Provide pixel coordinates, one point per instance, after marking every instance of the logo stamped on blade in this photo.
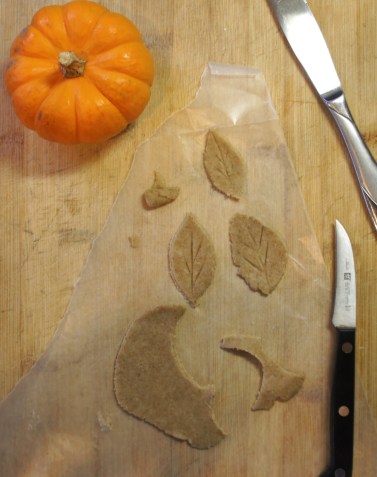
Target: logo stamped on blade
(347, 277)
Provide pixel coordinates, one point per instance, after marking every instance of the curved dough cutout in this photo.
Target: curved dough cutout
(151, 384)
(159, 194)
(277, 383)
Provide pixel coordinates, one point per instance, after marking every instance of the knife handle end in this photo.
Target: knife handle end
(342, 406)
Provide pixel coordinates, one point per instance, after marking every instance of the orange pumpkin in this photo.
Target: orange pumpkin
(79, 73)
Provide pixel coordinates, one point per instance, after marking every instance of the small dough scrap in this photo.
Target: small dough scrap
(151, 384)
(224, 167)
(159, 194)
(258, 252)
(277, 383)
(134, 241)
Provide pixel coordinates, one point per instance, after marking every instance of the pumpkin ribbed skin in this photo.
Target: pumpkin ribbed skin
(95, 98)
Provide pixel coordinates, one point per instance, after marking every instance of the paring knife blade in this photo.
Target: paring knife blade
(344, 320)
(308, 44)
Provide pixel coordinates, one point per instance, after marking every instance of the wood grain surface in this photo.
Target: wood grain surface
(55, 199)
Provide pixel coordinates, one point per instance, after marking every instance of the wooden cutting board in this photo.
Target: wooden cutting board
(132, 271)
(55, 199)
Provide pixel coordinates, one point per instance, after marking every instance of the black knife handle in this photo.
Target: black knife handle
(342, 406)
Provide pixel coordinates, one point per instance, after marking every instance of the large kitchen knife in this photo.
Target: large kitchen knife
(344, 320)
(307, 42)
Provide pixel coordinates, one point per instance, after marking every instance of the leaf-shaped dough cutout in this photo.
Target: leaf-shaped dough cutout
(151, 384)
(159, 194)
(258, 252)
(192, 260)
(278, 383)
(224, 167)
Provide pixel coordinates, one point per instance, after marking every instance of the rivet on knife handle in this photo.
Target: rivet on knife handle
(307, 42)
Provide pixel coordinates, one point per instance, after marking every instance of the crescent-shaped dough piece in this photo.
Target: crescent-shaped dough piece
(277, 383)
(151, 384)
(159, 194)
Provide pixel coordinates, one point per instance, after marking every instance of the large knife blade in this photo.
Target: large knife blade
(308, 44)
(344, 320)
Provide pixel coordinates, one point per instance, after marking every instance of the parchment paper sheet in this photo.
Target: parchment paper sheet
(62, 420)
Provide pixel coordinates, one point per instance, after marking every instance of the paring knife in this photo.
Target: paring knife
(344, 320)
(307, 42)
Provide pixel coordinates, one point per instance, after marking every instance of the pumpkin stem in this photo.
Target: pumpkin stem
(71, 65)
